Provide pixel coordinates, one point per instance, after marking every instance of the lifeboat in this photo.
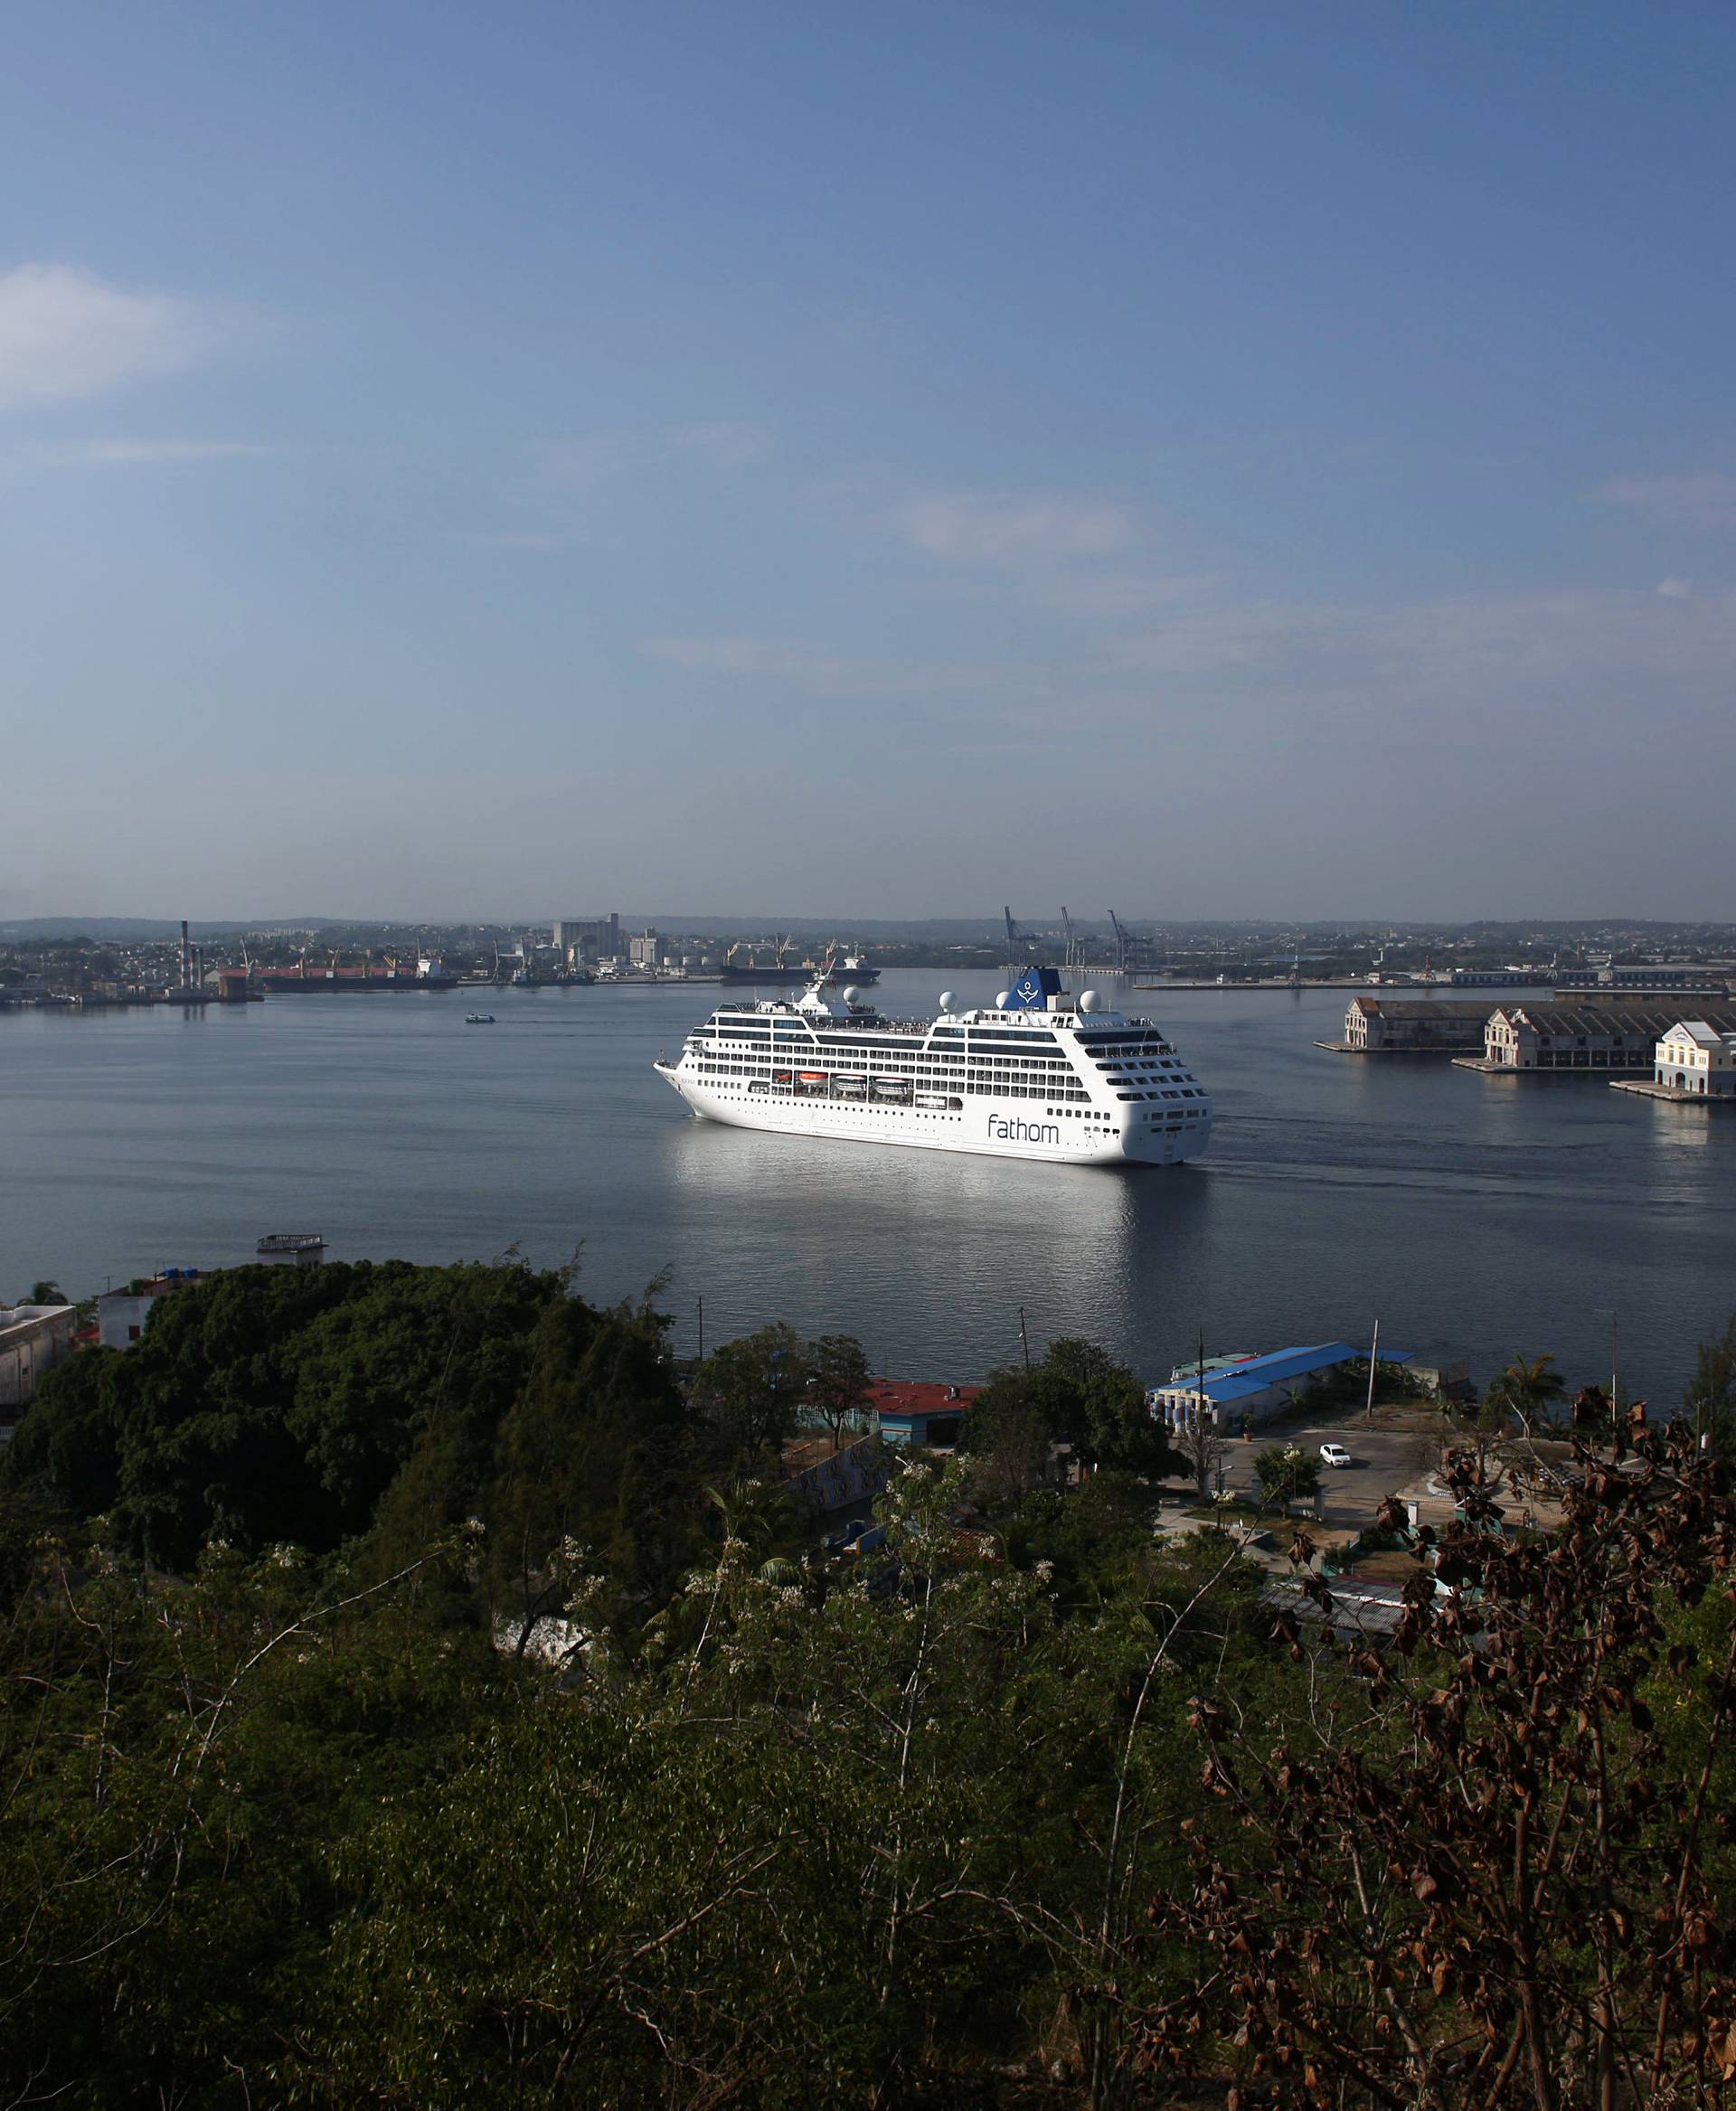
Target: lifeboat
(810, 1077)
(932, 1099)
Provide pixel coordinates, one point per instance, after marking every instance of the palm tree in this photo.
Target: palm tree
(1529, 1390)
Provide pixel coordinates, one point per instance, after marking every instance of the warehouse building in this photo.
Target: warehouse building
(1256, 1388)
(1414, 1026)
(1565, 1035)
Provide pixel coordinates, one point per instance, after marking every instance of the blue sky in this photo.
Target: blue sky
(1231, 461)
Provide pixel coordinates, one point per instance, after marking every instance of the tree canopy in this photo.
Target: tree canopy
(1042, 1815)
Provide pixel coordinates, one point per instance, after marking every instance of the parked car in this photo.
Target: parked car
(1334, 1455)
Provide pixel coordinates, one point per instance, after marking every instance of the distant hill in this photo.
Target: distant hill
(140, 929)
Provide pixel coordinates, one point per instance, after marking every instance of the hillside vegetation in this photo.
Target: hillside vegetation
(1020, 1808)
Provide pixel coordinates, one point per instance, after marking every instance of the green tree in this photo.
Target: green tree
(1078, 1396)
(1099, 1407)
(45, 1292)
(598, 1391)
(838, 1381)
(1286, 1475)
(749, 1391)
(1529, 1389)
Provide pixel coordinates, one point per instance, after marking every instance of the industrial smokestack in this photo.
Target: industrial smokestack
(187, 956)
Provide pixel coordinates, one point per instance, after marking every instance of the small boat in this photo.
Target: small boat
(478, 1018)
(810, 1077)
(932, 1099)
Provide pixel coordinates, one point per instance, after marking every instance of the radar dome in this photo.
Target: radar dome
(948, 999)
(1001, 999)
(1088, 1000)
(850, 996)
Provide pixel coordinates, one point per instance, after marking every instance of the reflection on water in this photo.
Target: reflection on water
(951, 1242)
(1472, 1216)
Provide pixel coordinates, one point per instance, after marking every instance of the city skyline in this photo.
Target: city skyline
(868, 465)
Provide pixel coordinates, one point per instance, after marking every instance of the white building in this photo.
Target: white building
(34, 1338)
(121, 1314)
(1696, 1057)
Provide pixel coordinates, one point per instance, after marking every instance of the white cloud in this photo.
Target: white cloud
(1482, 657)
(1704, 499)
(1675, 589)
(65, 333)
(123, 451)
(720, 446)
(986, 528)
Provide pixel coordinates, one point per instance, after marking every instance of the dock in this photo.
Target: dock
(1648, 1091)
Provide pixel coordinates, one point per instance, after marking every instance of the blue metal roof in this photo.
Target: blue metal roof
(1261, 1371)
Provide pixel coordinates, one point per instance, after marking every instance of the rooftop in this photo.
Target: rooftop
(899, 1397)
(1260, 1371)
(1573, 1017)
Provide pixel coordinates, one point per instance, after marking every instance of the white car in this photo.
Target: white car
(1334, 1455)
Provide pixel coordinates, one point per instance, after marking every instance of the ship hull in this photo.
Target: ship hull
(985, 1127)
(295, 985)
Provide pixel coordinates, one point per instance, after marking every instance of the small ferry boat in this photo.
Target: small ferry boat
(478, 1018)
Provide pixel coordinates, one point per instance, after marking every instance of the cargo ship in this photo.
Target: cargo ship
(852, 968)
(431, 973)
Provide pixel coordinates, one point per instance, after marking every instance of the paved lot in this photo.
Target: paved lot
(1387, 1461)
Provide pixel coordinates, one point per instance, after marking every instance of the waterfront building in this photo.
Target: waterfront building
(909, 1413)
(585, 939)
(1256, 1388)
(34, 1338)
(1696, 1057)
(1649, 978)
(1564, 1035)
(1415, 1026)
(123, 1315)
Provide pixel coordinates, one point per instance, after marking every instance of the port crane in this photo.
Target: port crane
(1073, 955)
(1017, 937)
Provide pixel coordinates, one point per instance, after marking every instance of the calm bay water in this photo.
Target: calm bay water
(1474, 1217)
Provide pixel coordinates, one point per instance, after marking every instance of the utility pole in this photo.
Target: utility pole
(702, 1330)
(1374, 1358)
(1615, 1362)
(1024, 1342)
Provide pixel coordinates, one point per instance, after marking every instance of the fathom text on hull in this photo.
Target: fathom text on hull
(1037, 1075)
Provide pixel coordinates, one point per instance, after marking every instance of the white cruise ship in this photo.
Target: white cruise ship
(1037, 1076)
